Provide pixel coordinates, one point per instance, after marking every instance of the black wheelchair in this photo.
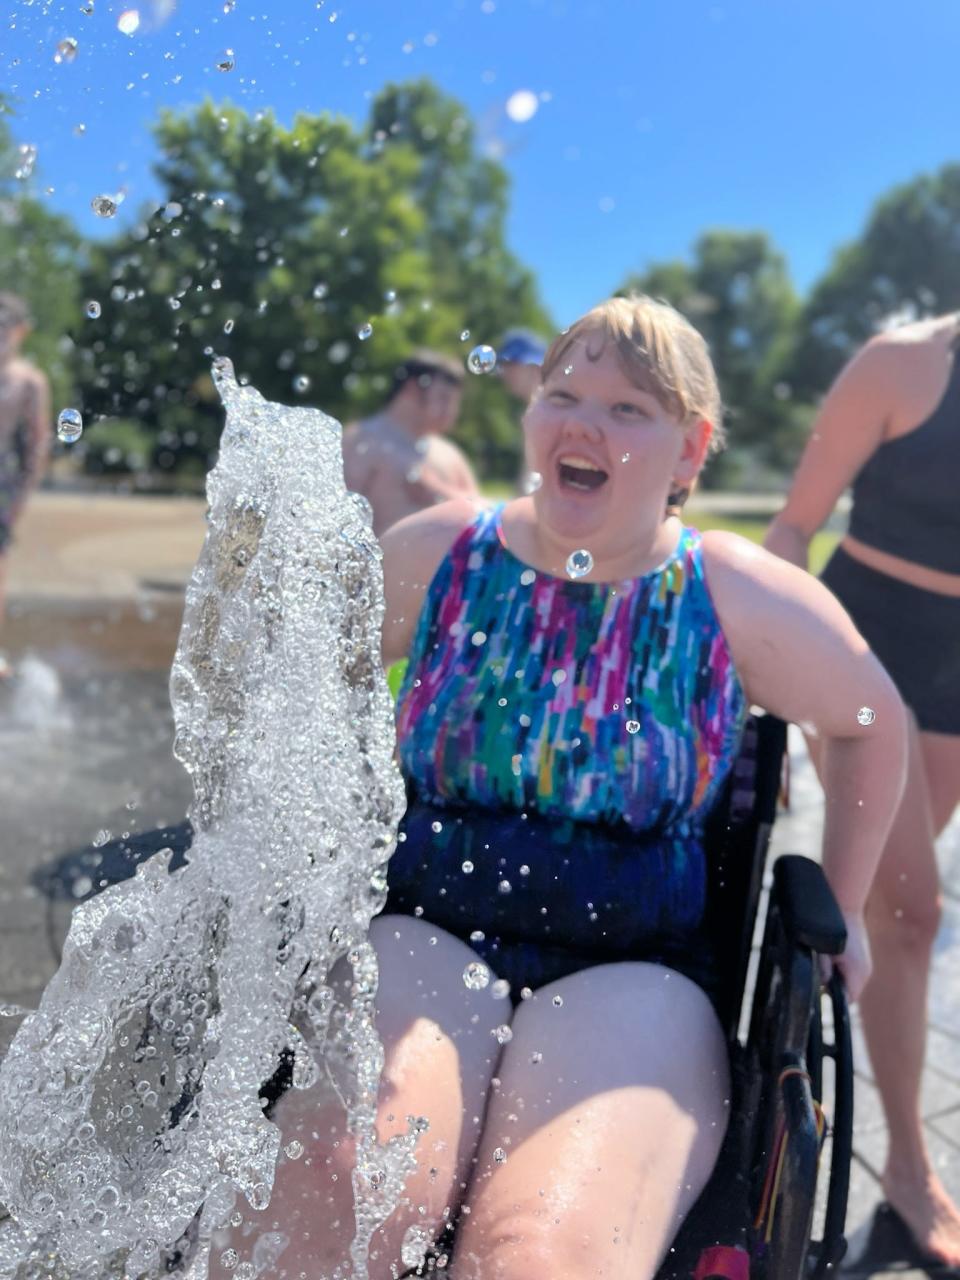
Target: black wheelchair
(755, 1218)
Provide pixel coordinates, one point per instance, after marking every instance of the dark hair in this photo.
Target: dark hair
(13, 312)
(425, 367)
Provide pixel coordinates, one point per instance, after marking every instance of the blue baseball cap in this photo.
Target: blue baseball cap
(521, 346)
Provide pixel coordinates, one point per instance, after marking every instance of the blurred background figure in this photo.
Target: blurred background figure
(398, 458)
(890, 425)
(519, 358)
(25, 431)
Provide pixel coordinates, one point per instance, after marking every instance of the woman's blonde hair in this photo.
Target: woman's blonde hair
(659, 351)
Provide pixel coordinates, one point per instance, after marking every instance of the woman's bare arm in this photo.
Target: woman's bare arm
(850, 426)
(801, 657)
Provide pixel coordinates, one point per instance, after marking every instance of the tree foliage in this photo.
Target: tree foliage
(279, 245)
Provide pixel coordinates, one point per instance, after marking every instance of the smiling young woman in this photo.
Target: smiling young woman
(606, 699)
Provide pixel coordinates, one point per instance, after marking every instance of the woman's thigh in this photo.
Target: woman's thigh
(609, 1113)
(440, 1053)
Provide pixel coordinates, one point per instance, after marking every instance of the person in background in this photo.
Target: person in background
(519, 358)
(891, 426)
(399, 458)
(25, 435)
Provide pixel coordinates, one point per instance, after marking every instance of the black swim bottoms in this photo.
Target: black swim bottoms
(914, 633)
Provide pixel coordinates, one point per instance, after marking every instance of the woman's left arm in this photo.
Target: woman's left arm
(800, 657)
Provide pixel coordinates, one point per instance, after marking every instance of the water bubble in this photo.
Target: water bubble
(66, 50)
(465, 334)
(499, 1155)
(226, 61)
(128, 22)
(228, 326)
(92, 309)
(478, 638)
(436, 827)
(503, 1033)
(528, 577)
(466, 867)
(69, 426)
(293, 1150)
(504, 887)
(534, 481)
(558, 1002)
(365, 331)
(321, 289)
(27, 154)
(866, 715)
(301, 384)
(87, 9)
(476, 975)
(522, 106)
(229, 1259)
(415, 1246)
(579, 563)
(633, 726)
(229, 6)
(500, 989)
(104, 206)
(477, 936)
(526, 993)
(482, 359)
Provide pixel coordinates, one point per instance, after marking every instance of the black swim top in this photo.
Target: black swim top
(906, 499)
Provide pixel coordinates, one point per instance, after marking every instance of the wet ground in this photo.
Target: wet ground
(85, 741)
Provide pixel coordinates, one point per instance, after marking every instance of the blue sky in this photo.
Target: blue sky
(656, 118)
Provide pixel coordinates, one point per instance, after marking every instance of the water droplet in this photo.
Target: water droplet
(476, 975)
(482, 359)
(528, 577)
(568, 369)
(478, 638)
(526, 993)
(229, 6)
(69, 426)
(625, 458)
(503, 1034)
(27, 153)
(301, 384)
(415, 1246)
(228, 326)
(500, 989)
(436, 827)
(522, 106)
(365, 331)
(524, 870)
(338, 352)
(478, 935)
(229, 1259)
(467, 868)
(104, 206)
(558, 1002)
(534, 481)
(87, 9)
(579, 563)
(66, 50)
(128, 22)
(499, 1155)
(866, 715)
(633, 726)
(226, 61)
(504, 887)
(465, 335)
(293, 1150)
(93, 309)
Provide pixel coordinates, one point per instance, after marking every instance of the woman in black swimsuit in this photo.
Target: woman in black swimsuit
(891, 427)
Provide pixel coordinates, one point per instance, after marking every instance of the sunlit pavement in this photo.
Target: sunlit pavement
(85, 739)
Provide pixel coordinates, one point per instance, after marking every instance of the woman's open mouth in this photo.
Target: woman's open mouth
(579, 473)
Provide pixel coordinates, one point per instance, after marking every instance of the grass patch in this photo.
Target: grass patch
(821, 548)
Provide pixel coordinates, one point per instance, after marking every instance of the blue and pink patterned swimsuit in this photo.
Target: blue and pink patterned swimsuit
(563, 743)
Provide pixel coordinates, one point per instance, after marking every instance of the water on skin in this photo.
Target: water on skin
(128, 1101)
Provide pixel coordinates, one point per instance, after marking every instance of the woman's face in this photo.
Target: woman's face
(609, 454)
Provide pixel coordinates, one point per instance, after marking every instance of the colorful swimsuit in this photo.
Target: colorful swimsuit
(563, 743)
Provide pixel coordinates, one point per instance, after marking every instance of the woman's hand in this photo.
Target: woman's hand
(855, 965)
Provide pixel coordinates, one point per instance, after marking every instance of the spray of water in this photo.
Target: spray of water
(128, 1101)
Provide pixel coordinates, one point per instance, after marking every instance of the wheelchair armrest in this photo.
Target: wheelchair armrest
(807, 906)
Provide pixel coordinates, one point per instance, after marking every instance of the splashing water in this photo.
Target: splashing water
(129, 1107)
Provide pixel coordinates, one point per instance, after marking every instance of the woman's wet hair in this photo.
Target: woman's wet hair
(13, 312)
(425, 367)
(659, 351)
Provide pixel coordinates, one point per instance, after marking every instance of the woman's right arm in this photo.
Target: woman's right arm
(412, 551)
(850, 426)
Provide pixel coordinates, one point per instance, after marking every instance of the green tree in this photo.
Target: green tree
(39, 261)
(905, 264)
(736, 290)
(278, 246)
